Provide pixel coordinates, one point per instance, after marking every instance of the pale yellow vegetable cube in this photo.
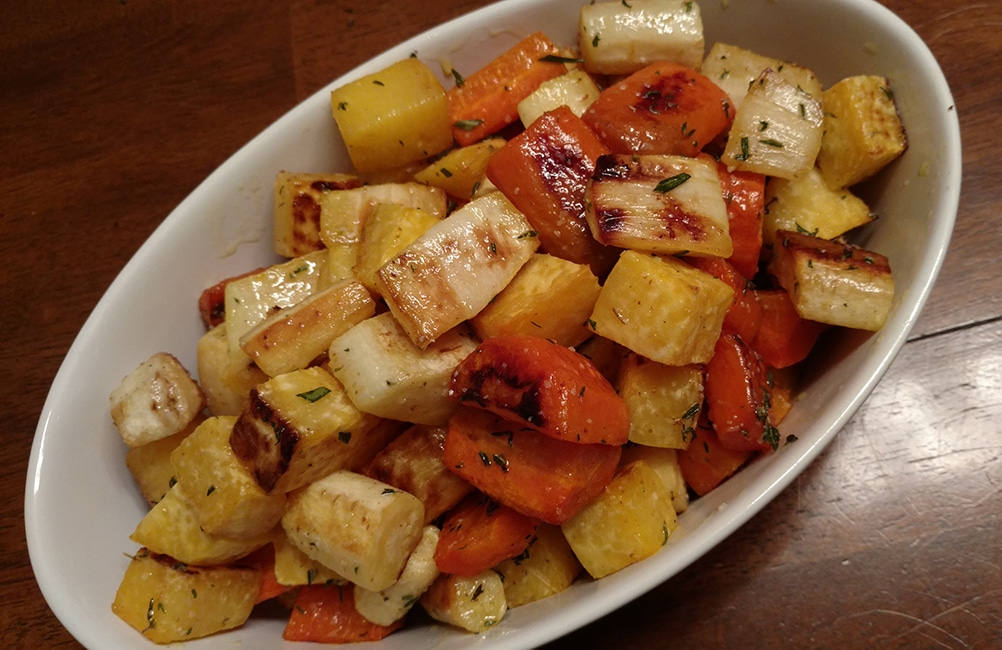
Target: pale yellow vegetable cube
(393, 117)
(155, 401)
(574, 89)
(663, 401)
(664, 462)
(294, 568)
(387, 231)
(808, 205)
(546, 567)
(170, 602)
(391, 604)
(629, 521)
(734, 69)
(151, 467)
(661, 308)
(472, 603)
(226, 376)
(226, 497)
(549, 297)
(863, 131)
(358, 527)
(461, 171)
(297, 209)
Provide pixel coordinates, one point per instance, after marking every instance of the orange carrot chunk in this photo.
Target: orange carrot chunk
(744, 196)
(738, 397)
(545, 386)
(784, 337)
(744, 316)
(481, 533)
(544, 172)
(487, 100)
(536, 475)
(706, 462)
(665, 108)
(327, 614)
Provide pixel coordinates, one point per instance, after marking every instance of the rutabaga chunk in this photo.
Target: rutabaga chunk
(155, 401)
(622, 37)
(474, 603)
(832, 282)
(456, 267)
(665, 464)
(662, 309)
(389, 229)
(658, 204)
(226, 377)
(574, 89)
(297, 209)
(293, 568)
(168, 601)
(863, 131)
(808, 205)
(151, 467)
(391, 604)
(385, 374)
(664, 401)
(301, 426)
(734, 69)
(296, 336)
(629, 521)
(226, 497)
(251, 299)
(359, 527)
(777, 131)
(461, 171)
(547, 567)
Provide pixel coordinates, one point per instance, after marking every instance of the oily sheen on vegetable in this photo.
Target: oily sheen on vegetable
(544, 309)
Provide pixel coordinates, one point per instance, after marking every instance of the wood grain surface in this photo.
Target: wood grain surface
(111, 112)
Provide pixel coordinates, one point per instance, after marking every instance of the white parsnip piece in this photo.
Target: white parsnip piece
(833, 282)
(298, 198)
(777, 131)
(155, 401)
(359, 527)
(734, 69)
(456, 267)
(226, 376)
(473, 603)
(391, 604)
(574, 89)
(623, 37)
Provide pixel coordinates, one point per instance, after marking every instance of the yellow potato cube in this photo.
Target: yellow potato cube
(546, 567)
(389, 229)
(664, 401)
(461, 171)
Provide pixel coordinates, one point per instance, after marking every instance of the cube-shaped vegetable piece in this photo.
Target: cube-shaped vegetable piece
(574, 89)
(527, 471)
(226, 376)
(172, 528)
(359, 527)
(294, 337)
(155, 401)
(734, 69)
(480, 533)
(744, 195)
(473, 604)
(461, 171)
(297, 209)
(393, 117)
(545, 386)
(664, 401)
(293, 568)
(413, 463)
(777, 131)
(487, 101)
(388, 230)
(659, 204)
(385, 374)
(620, 38)
(169, 602)
(344, 213)
(544, 172)
(863, 131)
(662, 309)
(251, 299)
(392, 604)
(456, 267)
(808, 205)
(666, 108)
(151, 467)
(665, 464)
(832, 282)
(550, 297)
(226, 497)
(301, 426)
(707, 463)
(629, 521)
(547, 567)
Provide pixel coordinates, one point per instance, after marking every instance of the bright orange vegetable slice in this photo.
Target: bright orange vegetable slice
(744, 196)
(784, 338)
(536, 475)
(707, 463)
(744, 316)
(544, 386)
(327, 614)
(665, 108)
(487, 100)
(481, 533)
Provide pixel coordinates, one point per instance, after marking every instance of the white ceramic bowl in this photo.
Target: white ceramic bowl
(81, 504)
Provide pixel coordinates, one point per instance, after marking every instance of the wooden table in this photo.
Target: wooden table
(112, 112)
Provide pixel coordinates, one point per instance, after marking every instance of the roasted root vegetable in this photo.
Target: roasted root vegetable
(707, 463)
(808, 205)
(298, 201)
(574, 89)
(327, 614)
(739, 398)
(663, 401)
(479, 534)
(784, 338)
(473, 603)
(744, 196)
(543, 386)
(734, 69)
(546, 567)
(156, 400)
(391, 605)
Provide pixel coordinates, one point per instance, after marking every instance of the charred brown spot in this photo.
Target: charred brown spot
(665, 95)
(612, 166)
(499, 387)
(263, 441)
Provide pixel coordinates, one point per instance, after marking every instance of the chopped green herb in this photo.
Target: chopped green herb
(344, 436)
(668, 184)
(458, 78)
(556, 58)
(772, 143)
(745, 153)
(315, 394)
(467, 125)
